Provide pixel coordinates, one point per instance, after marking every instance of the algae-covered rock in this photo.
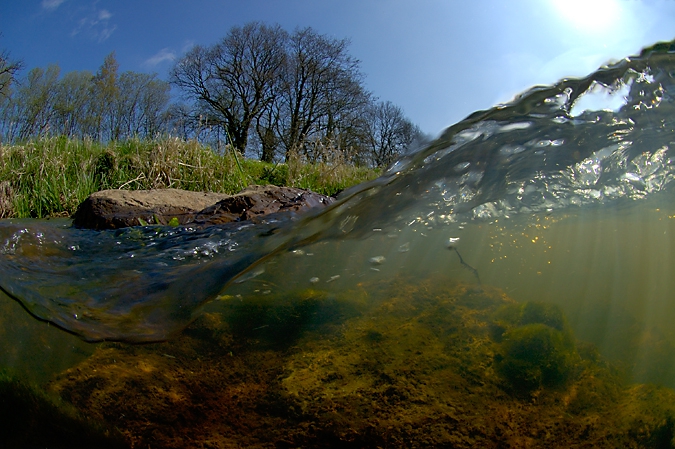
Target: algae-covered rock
(535, 355)
(548, 314)
(29, 418)
(536, 347)
(397, 363)
(648, 411)
(279, 320)
(520, 314)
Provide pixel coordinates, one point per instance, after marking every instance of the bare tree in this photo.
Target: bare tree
(138, 105)
(291, 89)
(235, 79)
(180, 120)
(153, 104)
(124, 109)
(321, 83)
(303, 92)
(8, 71)
(389, 133)
(102, 106)
(36, 99)
(265, 130)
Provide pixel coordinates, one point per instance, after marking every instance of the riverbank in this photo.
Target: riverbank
(50, 177)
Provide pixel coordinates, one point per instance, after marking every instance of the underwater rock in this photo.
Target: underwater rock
(535, 355)
(114, 209)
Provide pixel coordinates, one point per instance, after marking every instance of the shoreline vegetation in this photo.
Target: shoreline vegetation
(50, 177)
(261, 91)
(265, 92)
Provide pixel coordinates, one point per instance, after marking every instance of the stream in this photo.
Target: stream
(563, 196)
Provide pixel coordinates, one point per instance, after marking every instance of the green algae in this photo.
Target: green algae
(280, 320)
(535, 346)
(534, 356)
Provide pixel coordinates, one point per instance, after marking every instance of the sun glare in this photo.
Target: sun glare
(588, 15)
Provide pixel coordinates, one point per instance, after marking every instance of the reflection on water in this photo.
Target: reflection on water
(509, 284)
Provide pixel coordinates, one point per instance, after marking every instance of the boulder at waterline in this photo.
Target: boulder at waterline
(114, 209)
(256, 201)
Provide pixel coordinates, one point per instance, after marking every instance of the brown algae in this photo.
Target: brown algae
(434, 363)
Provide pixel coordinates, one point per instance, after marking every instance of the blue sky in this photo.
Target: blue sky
(439, 60)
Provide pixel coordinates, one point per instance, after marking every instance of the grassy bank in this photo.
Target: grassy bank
(51, 177)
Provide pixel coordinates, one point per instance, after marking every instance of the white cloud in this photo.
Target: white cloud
(96, 25)
(51, 5)
(187, 45)
(161, 56)
(106, 32)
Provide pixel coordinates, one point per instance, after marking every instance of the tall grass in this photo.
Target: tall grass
(332, 174)
(51, 177)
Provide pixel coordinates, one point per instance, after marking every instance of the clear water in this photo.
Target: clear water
(563, 196)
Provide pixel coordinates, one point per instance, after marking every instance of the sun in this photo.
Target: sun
(589, 16)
